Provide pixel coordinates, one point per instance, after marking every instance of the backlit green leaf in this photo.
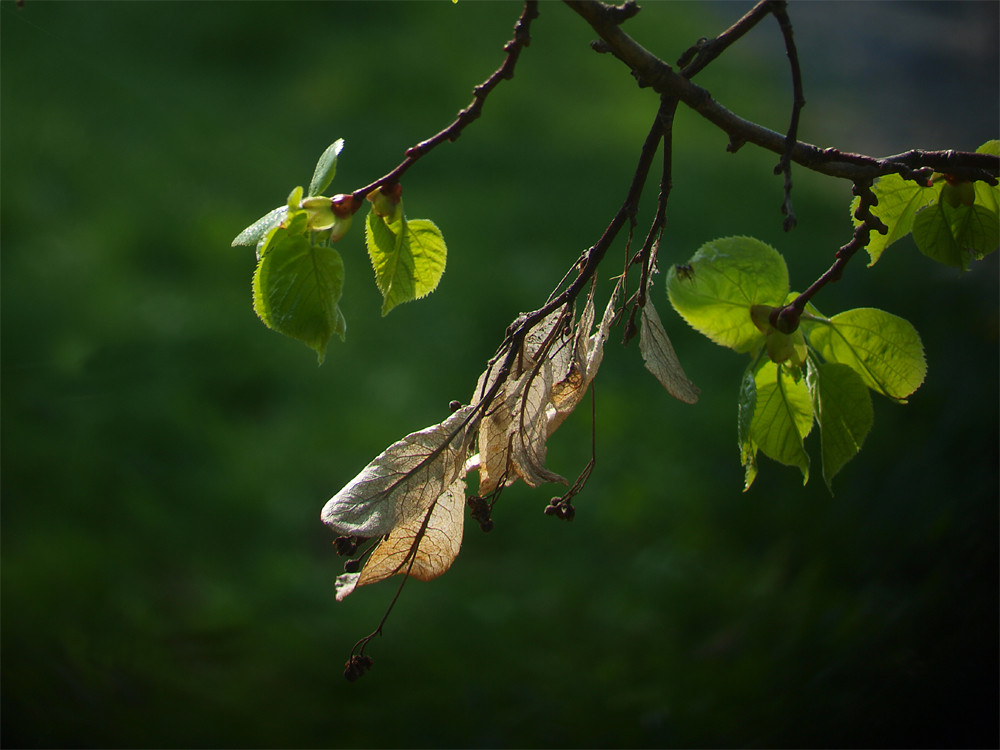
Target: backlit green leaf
(956, 235)
(254, 233)
(744, 418)
(782, 417)
(715, 290)
(898, 203)
(885, 350)
(990, 147)
(326, 168)
(843, 410)
(297, 286)
(408, 257)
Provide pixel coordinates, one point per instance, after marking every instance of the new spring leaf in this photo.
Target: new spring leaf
(408, 257)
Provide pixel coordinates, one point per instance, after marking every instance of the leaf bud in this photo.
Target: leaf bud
(294, 197)
(761, 317)
(343, 208)
(320, 214)
(385, 200)
(454, 406)
(352, 566)
(787, 320)
(958, 192)
(786, 346)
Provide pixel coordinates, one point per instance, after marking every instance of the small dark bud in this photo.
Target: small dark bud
(346, 545)
(454, 405)
(486, 524)
(352, 566)
(356, 666)
(787, 320)
(567, 512)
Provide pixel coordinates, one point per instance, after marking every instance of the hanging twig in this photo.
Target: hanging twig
(780, 11)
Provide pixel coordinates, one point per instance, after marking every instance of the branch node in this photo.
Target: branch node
(735, 143)
(618, 14)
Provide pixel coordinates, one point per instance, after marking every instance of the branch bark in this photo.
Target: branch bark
(651, 71)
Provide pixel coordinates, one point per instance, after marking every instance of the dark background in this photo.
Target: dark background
(166, 580)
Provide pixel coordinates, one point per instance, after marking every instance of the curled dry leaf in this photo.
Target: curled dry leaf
(660, 358)
(423, 546)
(403, 482)
(587, 356)
(527, 403)
(510, 424)
(557, 364)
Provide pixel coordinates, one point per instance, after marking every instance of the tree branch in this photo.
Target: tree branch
(521, 39)
(702, 53)
(650, 71)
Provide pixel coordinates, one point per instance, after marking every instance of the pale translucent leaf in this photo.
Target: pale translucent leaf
(402, 482)
(537, 337)
(660, 358)
(494, 429)
(432, 539)
(527, 403)
(346, 584)
(586, 361)
(494, 444)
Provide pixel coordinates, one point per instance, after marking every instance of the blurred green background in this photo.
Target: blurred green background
(166, 580)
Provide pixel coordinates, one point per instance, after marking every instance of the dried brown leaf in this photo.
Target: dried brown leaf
(403, 481)
(661, 359)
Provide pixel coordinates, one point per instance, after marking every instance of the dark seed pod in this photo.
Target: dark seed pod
(356, 666)
(346, 545)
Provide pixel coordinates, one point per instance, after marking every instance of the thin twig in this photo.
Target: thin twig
(702, 53)
(786, 319)
(779, 8)
(653, 72)
(520, 40)
(646, 257)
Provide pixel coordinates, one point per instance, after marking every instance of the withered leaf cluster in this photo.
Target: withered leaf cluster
(409, 502)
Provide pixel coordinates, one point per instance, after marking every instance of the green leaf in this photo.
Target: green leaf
(297, 285)
(254, 233)
(745, 408)
(952, 235)
(987, 196)
(722, 281)
(955, 235)
(885, 350)
(898, 203)
(843, 409)
(326, 168)
(990, 147)
(782, 417)
(408, 257)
